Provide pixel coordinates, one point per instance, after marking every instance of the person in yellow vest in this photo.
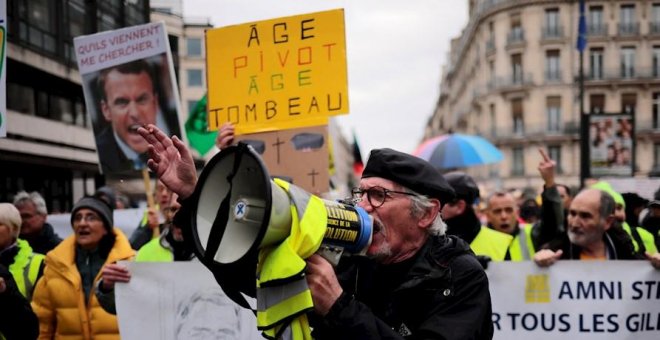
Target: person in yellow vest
(416, 282)
(502, 215)
(592, 234)
(152, 218)
(643, 240)
(64, 298)
(16, 254)
(17, 320)
(488, 244)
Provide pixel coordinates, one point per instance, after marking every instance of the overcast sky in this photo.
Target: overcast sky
(395, 52)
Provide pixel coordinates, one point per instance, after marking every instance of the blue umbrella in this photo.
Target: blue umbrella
(456, 150)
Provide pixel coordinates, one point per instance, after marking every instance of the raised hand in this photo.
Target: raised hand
(547, 257)
(225, 136)
(171, 160)
(547, 169)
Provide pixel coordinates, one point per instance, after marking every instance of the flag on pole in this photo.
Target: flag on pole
(582, 29)
(196, 126)
(358, 166)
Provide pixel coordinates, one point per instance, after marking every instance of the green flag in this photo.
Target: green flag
(197, 126)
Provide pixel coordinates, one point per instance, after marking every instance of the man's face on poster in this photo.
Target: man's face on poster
(130, 103)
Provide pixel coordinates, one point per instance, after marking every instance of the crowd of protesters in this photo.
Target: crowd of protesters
(68, 285)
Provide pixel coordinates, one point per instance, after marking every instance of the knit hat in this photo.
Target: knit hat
(464, 186)
(99, 206)
(409, 171)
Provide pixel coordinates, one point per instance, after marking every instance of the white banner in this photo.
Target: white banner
(576, 300)
(179, 300)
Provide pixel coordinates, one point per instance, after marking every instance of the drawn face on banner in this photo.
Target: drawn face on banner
(129, 102)
(208, 314)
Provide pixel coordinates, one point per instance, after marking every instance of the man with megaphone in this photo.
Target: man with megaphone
(415, 283)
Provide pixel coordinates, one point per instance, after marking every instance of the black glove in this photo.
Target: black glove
(483, 260)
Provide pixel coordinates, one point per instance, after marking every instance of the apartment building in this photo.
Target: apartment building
(50, 144)
(512, 78)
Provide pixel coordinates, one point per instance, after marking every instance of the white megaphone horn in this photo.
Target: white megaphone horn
(237, 209)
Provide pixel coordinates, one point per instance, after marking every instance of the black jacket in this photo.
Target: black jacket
(45, 241)
(17, 320)
(441, 293)
(618, 242)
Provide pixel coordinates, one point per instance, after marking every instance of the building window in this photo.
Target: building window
(518, 116)
(491, 73)
(656, 61)
(194, 47)
(596, 62)
(627, 62)
(628, 102)
(656, 110)
(597, 103)
(552, 27)
(516, 34)
(109, 15)
(554, 152)
(553, 112)
(195, 77)
(552, 71)
(655, 18)
(516, 68)
(656, 156)
(493, 121)
(518, 166)
(595, 22)
(627, 21)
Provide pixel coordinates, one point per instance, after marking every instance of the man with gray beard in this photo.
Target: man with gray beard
(592, 233)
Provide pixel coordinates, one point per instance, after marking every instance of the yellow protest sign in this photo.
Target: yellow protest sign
(277, 74)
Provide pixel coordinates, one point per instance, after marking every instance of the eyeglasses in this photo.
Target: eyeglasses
(87, 218)
(375, 195)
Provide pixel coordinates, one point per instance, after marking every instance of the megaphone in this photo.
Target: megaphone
(237, 209)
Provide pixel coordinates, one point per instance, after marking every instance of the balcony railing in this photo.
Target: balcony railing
(561, 129)
(516, 36)
(597, 29)
(628, 28)
(624, 73)
(553, 32)
(654, 28)
(514, 80)
(552, 75)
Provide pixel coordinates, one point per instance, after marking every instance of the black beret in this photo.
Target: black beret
(409, 171)
(464, 186)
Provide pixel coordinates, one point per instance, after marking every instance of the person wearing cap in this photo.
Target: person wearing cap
(651, 220)
(643, 241)
(417, 281)
(64, 298)
(462, 221)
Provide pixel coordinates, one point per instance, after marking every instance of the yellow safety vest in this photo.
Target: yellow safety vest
(283, 297)
(153, 251)
(26, 268)
(644, 235)
(522, 247)
(491, 243)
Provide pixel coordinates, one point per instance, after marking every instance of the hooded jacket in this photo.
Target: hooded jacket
(59, 300)
(441, 293)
